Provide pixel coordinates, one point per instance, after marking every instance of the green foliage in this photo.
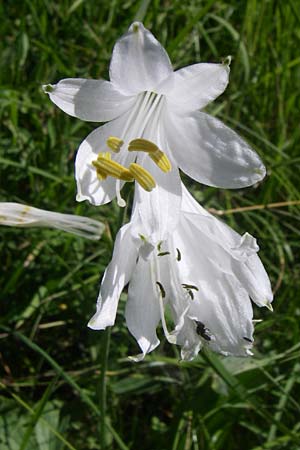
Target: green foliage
(50, 362)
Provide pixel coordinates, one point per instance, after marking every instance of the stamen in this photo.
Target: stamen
(109, 167)
(142, 176)
(142, 145)
(159, 157)
(101, 175)
(161, 160)
(178, 254)
(105, 155)
(161, 288)
(114, 143)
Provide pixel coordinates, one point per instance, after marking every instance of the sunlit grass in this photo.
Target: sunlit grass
(50, 361)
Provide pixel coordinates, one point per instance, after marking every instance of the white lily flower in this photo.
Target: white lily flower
(154, 121)
(204, 273)
(18, 215)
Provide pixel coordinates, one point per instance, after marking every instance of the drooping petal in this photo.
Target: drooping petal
(91, 100)
(18, 215)
(193, 87)
(142, 308)
(226, 313)
(89, 187)
(116, 276)
(254, 278)
(211, 153)
(139, 62)
(179, 301)
(241, 250)
(220, 301)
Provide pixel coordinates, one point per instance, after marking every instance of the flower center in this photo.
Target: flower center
(143, 121)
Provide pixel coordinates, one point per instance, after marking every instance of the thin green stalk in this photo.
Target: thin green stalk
(102, 386)
(60, 371)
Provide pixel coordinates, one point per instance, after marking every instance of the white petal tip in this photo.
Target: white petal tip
(48, 88)
(171, 338)
(80, 198)
(137, 358)
(261, 171)
(227, 61)
(94, 325)
(269, 306)
(135, 27)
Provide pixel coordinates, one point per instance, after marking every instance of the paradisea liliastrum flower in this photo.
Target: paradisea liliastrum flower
(18, 215)
(204, 273)
(154, 125)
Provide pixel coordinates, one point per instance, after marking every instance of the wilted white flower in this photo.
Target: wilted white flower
(204, 273)
(154, 126)
(18, 215)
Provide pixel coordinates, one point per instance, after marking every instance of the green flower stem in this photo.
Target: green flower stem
(102, 386)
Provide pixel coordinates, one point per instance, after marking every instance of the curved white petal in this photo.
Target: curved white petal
(91, 100)
(195, 86)
(211, 153)
(142, 308)
(88, 186)
(220, 302)
(254, 278)
(159, 210)
(241, 257)
(226, 313)
(139, 62)
(116, 276)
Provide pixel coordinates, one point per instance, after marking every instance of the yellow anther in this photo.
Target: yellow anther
(142, 176)
(161, 160)
(142, 145)
(159, 157)
(105, 155)
(114, 143)
(109, 167)
(101, 175)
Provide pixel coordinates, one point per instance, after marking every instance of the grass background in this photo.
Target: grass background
(51, 364)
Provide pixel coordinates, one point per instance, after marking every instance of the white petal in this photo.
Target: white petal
(211, 153)
(195, 86)
(241, 251)
(116, 276)
(88, 186)
(248, 246)
(226, 312)
(254, 278)
(159, 210)
(221, 303)
(91, 100)
(142, 307)
(18, 215)
(138, 61)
